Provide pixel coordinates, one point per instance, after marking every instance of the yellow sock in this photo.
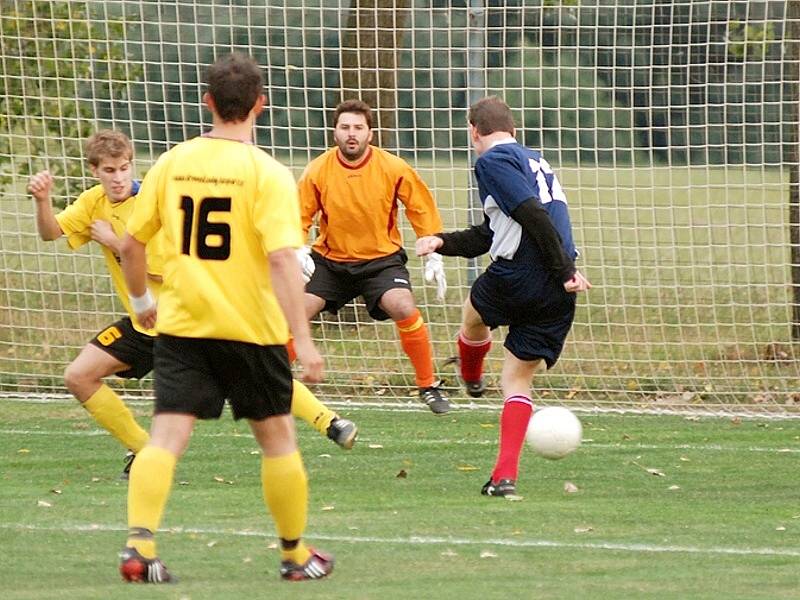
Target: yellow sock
(285, 485)
(110, 411)
(307, 406)
(148, 489)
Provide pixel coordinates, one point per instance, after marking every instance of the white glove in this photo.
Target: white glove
(434, 271)
(307, 265)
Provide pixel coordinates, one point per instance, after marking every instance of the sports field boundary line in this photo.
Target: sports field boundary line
(491, 406)
(438, 441)
(430, 540)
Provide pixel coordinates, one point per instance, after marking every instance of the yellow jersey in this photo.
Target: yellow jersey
(94, 205)
(222, 206)
(358, 204)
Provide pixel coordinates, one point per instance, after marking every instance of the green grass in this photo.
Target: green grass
(690, 301)
(722, 522)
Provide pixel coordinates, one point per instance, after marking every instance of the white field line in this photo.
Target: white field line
(416, 540)
(490, 405)
(447, 441)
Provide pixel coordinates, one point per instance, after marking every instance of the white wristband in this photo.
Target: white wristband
(139, 304)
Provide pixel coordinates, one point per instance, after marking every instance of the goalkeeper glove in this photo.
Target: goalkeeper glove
(434, 271)
(307, 265)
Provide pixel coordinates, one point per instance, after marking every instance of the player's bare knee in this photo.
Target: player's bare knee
(76, 380)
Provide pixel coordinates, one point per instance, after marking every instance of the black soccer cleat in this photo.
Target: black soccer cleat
(317, 566)
(126, 470)
(435, 398)
(136, 568)
(475, 388)
(504, 487)
(343, 432)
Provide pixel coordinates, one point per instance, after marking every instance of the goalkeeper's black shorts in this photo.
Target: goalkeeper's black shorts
(339, 282)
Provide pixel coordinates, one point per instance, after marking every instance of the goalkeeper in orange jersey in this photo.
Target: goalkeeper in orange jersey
(356, 189)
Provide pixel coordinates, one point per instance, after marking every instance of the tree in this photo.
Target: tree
(369, 59)
(54, 52)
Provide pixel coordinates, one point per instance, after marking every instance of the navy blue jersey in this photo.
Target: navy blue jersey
(508, 174)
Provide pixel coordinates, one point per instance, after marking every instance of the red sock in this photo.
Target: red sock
(472, 354)
(514, 419)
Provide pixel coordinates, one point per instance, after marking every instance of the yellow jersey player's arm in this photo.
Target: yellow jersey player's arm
(40, 186)
(277, 211)
(420, 206)
(143, 224)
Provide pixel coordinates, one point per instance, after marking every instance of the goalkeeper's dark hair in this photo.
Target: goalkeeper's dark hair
(107, 143)
(353, 106)
(235, 82)
(491, 114)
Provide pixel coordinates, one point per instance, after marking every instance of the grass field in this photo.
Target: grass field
(666, 507)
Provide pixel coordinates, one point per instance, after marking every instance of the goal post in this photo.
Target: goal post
(673, 128)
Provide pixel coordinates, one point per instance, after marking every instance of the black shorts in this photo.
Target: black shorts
(339, 282)
(536, 308)
(196, 376)
(134, 348)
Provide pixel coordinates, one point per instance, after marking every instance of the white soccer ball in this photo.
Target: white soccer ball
(554, 432)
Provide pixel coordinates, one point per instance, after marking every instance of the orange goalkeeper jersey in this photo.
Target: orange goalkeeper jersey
(357, 204)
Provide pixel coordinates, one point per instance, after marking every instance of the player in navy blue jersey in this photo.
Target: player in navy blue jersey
(531, 283)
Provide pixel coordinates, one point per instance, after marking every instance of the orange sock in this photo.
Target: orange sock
(417, 345)
(290, 350)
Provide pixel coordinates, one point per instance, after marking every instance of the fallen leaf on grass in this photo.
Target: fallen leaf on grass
(328, 507)
(43, 504)
(23, 451)
(467, 468)
(570, 488)
(212, 543)
(375, 446)
(487, 425)
(674, 487)
(55, 491)
(583, 529)
(781, 528)
(650, 470)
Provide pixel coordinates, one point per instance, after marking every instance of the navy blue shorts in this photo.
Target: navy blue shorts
(128, 345)
(536, 308)
(195, 376)
(339, 282)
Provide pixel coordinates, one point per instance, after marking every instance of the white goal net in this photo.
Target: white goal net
(673, 127)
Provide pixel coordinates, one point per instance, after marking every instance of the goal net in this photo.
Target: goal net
(673, 127)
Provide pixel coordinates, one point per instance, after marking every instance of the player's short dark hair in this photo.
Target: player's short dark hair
(235, 82)
(491, 114)
(353, 106)
(107, 143)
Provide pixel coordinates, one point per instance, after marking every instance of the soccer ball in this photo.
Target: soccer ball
(554, 432)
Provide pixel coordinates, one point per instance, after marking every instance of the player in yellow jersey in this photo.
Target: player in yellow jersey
(124, 348)
(232, 292)
(356, 189)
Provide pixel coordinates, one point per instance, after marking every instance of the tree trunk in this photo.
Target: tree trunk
(791, 155)
(369, 60)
